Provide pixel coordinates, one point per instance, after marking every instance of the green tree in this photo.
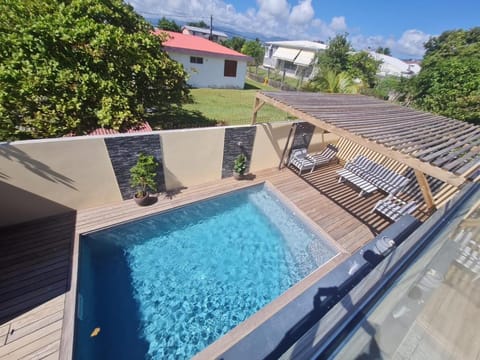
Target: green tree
(338, 58)
(169, 25)
(235, 43)
(200, 24)
(383, 50)
(254, 49)
(361, 65)
(449, 82)
(72, 66)
(335, 57)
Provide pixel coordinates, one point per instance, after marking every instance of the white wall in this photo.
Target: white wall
(210, 73)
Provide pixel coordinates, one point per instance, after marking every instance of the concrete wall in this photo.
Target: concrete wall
(269, 143)
(210, 73)
(40, 178)
(192, 156)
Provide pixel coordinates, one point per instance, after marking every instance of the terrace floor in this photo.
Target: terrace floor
(38, 260)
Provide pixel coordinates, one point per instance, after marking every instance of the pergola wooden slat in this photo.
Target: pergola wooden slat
(444, 148)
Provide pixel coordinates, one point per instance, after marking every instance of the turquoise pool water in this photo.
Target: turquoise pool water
(167, 286)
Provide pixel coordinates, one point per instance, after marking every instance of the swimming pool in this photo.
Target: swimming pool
(168, 285)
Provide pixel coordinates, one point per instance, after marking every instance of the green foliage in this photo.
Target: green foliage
(240, 164)
(143, 174)
(234, 43)
(169, 25)
(335, 57)
(338, 59)
(255, 50)
(383, 50)
(73, 66)
(387, 87)
(361, 65)
(200, 24)
(330, 82)
(449, 82)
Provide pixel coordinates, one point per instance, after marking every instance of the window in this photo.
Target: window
(287, 65)
(196, 60)
(230, 68)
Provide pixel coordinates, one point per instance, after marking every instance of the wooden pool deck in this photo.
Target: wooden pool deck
(38, 260)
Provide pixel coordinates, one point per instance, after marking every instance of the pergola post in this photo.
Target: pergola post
(256, 107)
(426, 191)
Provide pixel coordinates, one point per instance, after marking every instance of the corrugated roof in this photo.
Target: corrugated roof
(143, 127)
(444, 148)
(197, 45)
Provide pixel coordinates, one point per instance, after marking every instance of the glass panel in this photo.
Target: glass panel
(433, 310)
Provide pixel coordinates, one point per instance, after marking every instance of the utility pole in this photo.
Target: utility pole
(211, 28)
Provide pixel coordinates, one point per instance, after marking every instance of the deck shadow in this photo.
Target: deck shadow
(35, 260)
(346, 197)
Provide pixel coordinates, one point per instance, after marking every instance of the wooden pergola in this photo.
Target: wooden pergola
(443, 148)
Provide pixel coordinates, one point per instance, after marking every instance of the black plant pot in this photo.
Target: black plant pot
(143, 200)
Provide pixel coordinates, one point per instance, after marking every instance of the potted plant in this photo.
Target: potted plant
(142, 178)
(239, 166)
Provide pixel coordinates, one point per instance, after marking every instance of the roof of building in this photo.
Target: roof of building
(299, 44)
(204, 31)
(141, 128)
(393, 66)
(196, 45)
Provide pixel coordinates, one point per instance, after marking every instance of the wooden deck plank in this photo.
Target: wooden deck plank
(52, 356)
(17, 332)
(32, 342)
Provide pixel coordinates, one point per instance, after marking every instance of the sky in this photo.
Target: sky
(402, 26)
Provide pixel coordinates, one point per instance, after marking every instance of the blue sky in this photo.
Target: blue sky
(400, 25)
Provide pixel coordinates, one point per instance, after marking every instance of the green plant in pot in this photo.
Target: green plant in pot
(239, 166)
(142, 178)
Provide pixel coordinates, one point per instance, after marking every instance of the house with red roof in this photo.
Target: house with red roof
(207, 63)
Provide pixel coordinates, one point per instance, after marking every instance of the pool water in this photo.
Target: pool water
(167, 286)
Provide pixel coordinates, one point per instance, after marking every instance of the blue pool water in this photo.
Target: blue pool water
(167, 286)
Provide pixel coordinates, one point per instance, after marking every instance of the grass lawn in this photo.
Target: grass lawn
(233, 107)
(276, 75)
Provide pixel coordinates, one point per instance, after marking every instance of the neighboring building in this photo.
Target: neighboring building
(391, 66)
(205, 33)
(207, 63)
(296, 58)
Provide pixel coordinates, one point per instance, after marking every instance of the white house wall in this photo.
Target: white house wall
(210, 73)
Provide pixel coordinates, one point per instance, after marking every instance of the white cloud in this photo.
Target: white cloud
(273, 8)
(338, 24)
(412, 41)
(277, 18)
(302, 14)
(410, 44)
(270, 18)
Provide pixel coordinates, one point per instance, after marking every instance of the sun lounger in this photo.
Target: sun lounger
(324, 157)
(298, 159)
(371, 172)
(394, 208)
(304, 161)
(364, 186)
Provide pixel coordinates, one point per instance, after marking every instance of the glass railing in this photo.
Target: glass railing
(432, 310)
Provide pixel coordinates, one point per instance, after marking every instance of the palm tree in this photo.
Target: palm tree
(331, 82)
